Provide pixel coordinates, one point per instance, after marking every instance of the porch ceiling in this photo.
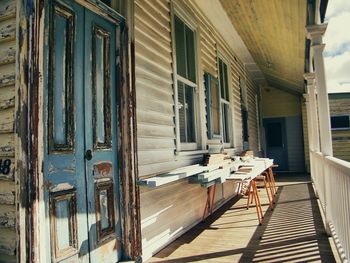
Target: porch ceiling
(274, 33)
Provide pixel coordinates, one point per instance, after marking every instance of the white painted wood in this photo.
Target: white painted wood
(315, 34)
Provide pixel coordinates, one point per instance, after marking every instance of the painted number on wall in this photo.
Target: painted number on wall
(5, 166)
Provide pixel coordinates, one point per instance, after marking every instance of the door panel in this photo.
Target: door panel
(100, 130)
(64, 173)
(276, 142)
(81, 196)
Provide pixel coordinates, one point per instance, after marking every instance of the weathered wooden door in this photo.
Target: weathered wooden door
(80, 161)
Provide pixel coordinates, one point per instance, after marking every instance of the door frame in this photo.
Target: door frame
(282, 120)
(29, 130)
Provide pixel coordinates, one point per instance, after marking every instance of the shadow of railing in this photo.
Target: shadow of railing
(292, 232)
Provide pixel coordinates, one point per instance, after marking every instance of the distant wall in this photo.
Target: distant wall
(280, 104)
(339, 104)
(277, 103)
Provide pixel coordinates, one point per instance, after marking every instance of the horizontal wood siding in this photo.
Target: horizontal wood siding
(341, 139)
(170, 210)
(166, 216)
(7, 118)
(154, 86)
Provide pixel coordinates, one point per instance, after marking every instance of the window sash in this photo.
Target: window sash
(213, 107)
(185, 50)
(186, 106)
(225, 102)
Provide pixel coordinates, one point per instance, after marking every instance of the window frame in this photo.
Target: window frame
(229, 102)
(340, 115)
(208, 91)
(177, 11)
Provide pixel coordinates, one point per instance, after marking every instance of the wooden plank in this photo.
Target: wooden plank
(7, 97)
(155, 156)
(7, 53)
(8, 241)
(154, 117)
(7, 80)
(155, 131)
(7, 9)
(157, 168)
(7, 145)
(155, 143)
(7, 216)
(7, 192)
(7, 120)
(10, 176)
(7, 30)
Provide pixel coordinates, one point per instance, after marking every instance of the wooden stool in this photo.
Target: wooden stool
(253, 194)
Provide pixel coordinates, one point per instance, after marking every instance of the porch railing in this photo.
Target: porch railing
(331, 177)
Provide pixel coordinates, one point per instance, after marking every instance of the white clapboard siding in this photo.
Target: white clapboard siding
(7, 118)
(154, 86)
(169, 210)
(341, 138)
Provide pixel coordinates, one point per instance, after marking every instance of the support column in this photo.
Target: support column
(315, 34)
(312, 112)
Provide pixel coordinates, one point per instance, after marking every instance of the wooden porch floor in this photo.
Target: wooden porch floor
(292, 232)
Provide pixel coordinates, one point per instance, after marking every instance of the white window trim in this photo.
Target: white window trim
(179, 11)
(221, 56)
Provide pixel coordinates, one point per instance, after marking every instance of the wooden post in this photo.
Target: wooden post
(315, 33)
(312, 113)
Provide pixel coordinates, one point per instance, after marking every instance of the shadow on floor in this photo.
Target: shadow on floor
(292, 232)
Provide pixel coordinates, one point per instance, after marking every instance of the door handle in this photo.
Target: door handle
(88, 155)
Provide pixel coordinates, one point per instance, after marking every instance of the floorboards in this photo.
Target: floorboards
(292, 232)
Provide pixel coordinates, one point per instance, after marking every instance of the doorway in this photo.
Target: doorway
(82, 199)
(276, 142)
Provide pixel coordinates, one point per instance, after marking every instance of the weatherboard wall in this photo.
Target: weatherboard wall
(168, 211)
(7, 119)
(339, 105)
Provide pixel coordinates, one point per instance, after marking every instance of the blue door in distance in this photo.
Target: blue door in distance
(80, 161)
(276, 142)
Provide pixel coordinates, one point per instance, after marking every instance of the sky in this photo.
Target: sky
(337, 50)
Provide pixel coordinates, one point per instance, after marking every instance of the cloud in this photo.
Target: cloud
(338, 72)
(337, 38)
(337, 50)
(337, 7)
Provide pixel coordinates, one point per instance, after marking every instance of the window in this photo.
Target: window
(212, 97)
(225, 102)
(340, 122)
(186, 80)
